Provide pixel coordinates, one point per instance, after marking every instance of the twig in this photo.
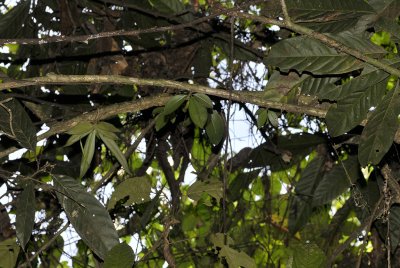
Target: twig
(366, 226)
(128, 152)
(285, 11)
(46, 245)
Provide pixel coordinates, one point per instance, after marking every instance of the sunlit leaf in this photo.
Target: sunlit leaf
(9, 251)
(236, 258)
(88, 216)
(25, 214)
(213, 188)
(306, 255)
(137, 189)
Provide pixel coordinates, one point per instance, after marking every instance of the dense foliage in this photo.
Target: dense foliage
(199, 133)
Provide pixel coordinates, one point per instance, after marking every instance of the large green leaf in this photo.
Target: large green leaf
(120, 256)
(9, 251)
(215, 128)
(16, 123)
(198, 113)
(174, 103)
(306, 54)
(88, 152)
(311, 10)
(310, 177)
(203, 99)
(137, 189)
(25, 214)
(115, 150)
(88, 216)
(212, 187)
(11, 23)
(394, 221)
(378, 134)
(353, 109)
(314, 85)
(336, 181)
(306, 255)
(236, 258)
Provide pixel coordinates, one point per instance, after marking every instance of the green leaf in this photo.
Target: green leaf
(82, 128)
(336, 181)
(306, 54)
(113, 147)
(262, 117)
(273, 118)
(215, 128)
(212, 187)
(198, 113)
(9, 251)
(306, 255)
(218, 240)
(16, 123)
(12, 22)
(25, 214)
(88, 152)
(236, 258)
(353, 109)
(120, 256)
(137, 189)
(161, 121)
(87, 215)
(106, 127)
(378, 134)
(394, 222)
(203, 99)
(310, 177)
(174, 103)
(74, 138)
(318, 85)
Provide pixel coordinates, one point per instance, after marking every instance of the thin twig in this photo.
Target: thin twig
(46, 245)
(128, 152)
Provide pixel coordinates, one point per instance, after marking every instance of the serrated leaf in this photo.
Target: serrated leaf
(137, 189)
(336, 181)
(106, 127)
(113, 147)
(213, 188)
(174, 103)
(378, 134)
(198, 113)
(306, 54)
(307, 255)
(16, 123)
(9, 251)
(25, 214)
(262, 117)
(82, 128)
(87, 215)
(88, 152)
(353, 109)
(204, 100)
(215, 128)
(120, 256)
(236, 258)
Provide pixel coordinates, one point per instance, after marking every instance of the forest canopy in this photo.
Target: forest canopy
(199, 133)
